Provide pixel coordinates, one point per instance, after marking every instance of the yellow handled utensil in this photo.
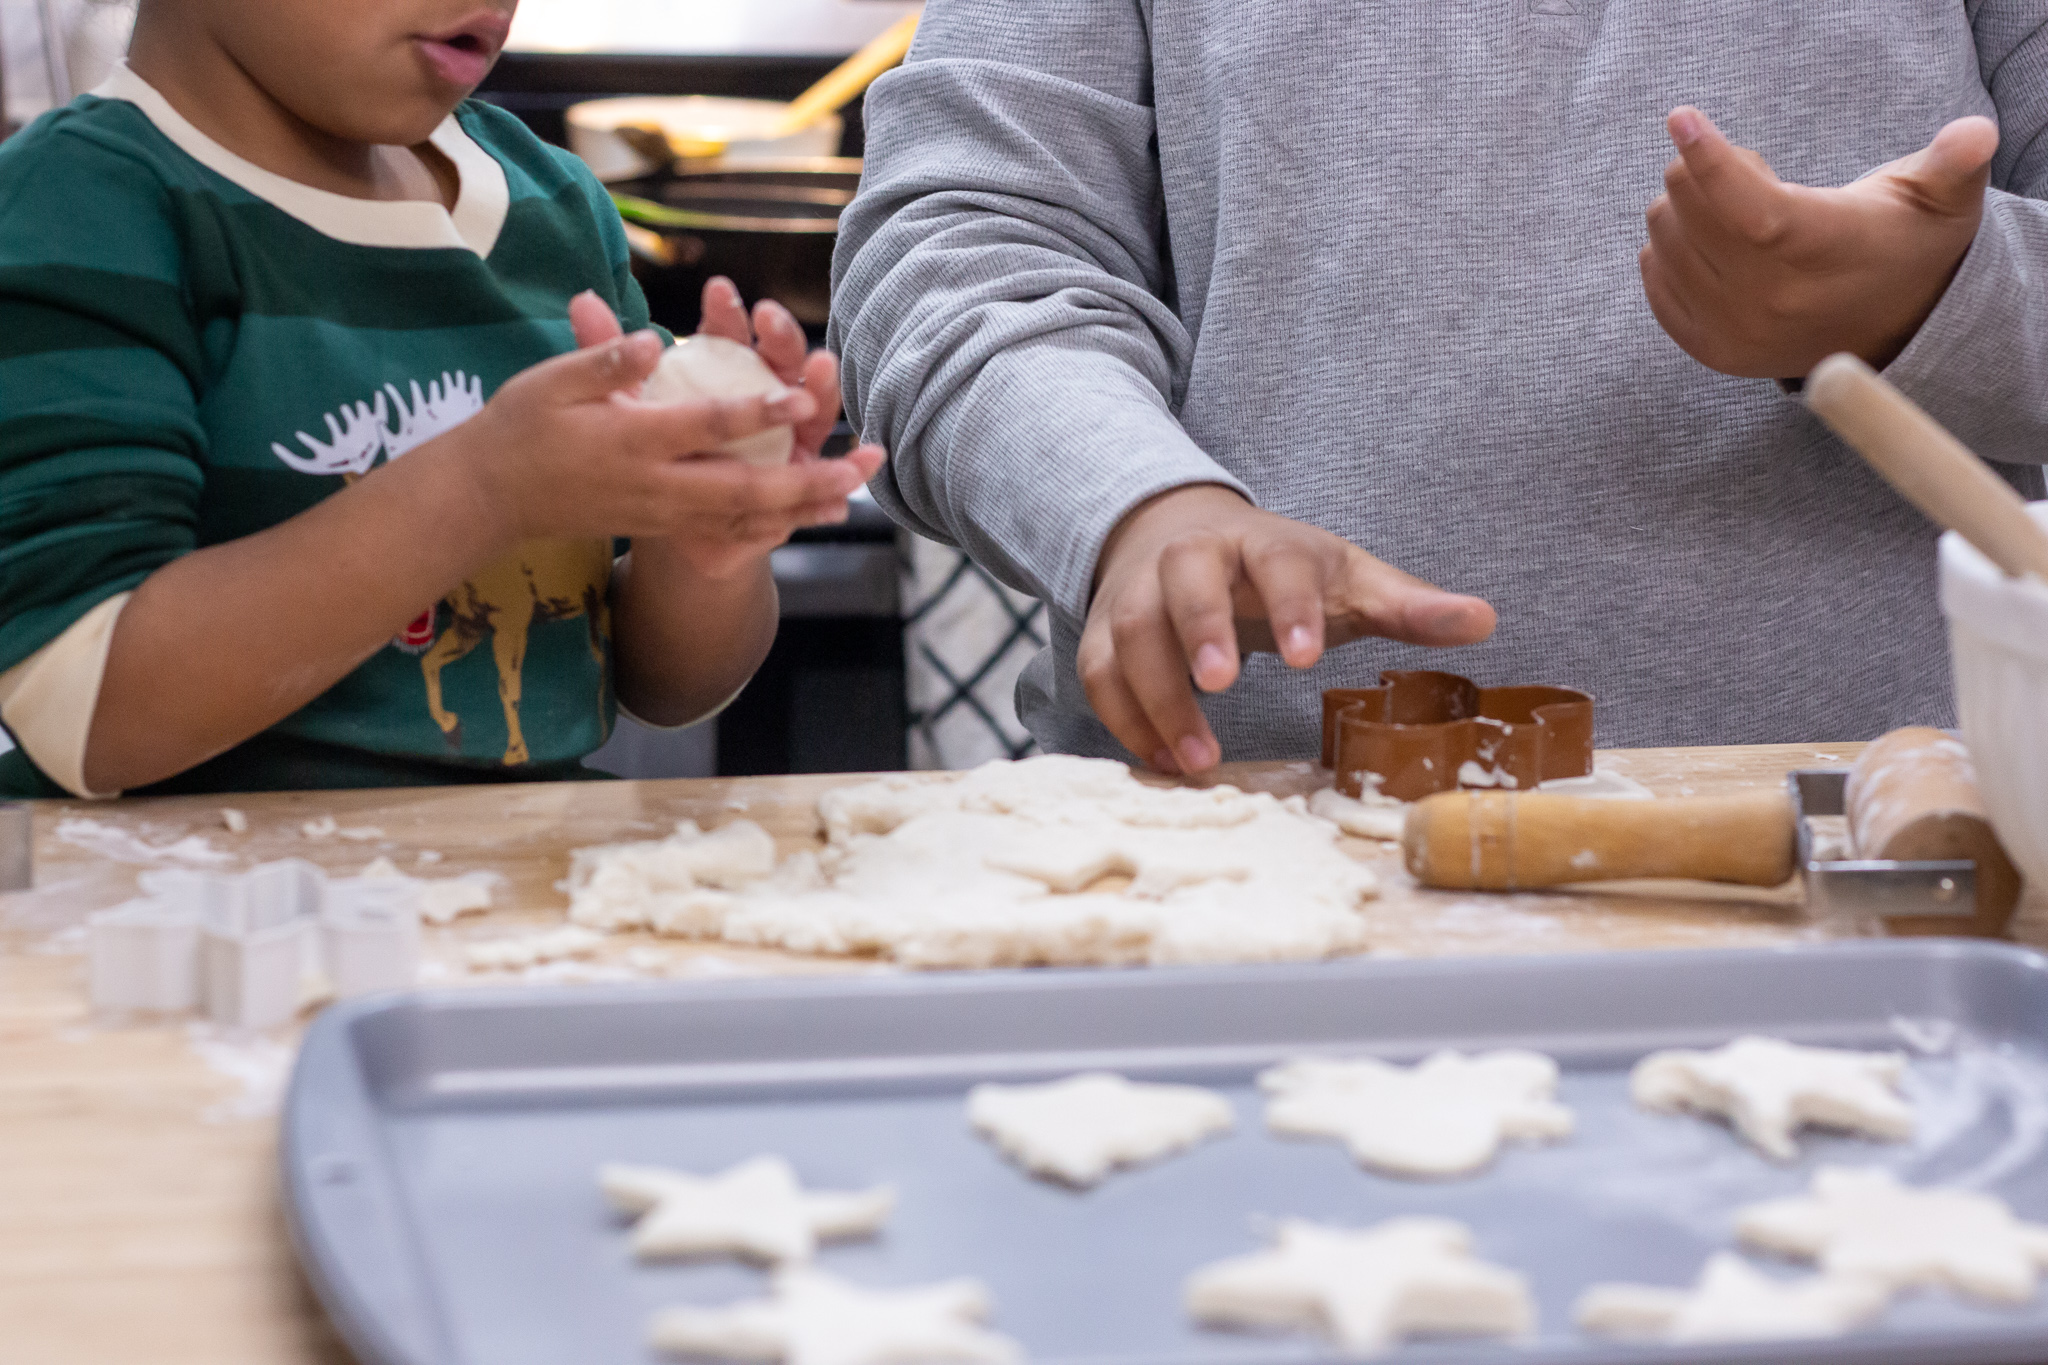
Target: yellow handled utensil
(837, 88)
(828, 96)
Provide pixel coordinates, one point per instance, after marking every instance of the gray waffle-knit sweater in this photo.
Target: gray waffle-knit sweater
(1374, 264)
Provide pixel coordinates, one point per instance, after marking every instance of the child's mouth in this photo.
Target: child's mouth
(461, 56)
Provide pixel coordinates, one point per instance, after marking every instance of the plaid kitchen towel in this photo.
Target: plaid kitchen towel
(967, 638)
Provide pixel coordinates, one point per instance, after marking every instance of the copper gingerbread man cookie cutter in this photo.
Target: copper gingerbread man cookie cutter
(1421, 732)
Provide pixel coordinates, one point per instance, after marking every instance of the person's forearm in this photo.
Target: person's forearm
(682, 642)
(227, 641)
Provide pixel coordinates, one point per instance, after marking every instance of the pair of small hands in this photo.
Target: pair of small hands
(1749, 275)
(569, 451)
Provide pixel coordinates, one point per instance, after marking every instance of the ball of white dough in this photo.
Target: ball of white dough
(703, 367)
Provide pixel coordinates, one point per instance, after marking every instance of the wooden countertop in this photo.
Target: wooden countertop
(139, 1218)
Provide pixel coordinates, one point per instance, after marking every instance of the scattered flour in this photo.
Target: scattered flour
(818, 1319)
(1077, 1129)
(1368, 1289)
(235, 821)
(756, 1209)
(998, 867)
(1600, 782)
(260, 1065)
(1732, 1302)
(1445, 1116)
(110, 841)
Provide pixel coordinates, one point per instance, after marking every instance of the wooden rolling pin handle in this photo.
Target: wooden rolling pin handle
(1932, 469)
(1912, 796)
(1516, 841)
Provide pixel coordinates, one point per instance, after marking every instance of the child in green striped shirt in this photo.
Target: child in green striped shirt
(317, 435)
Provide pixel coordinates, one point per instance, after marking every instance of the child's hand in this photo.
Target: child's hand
(562, 450)
(779, 340)
(1195, 576)
(1752, 276)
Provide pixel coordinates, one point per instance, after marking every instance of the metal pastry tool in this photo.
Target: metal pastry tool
(17, 847)
(1872, 889)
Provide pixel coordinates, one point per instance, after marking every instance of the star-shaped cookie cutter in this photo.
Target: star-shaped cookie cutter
(1417, 732)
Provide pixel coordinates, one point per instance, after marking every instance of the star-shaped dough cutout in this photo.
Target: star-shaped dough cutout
(756, 1209)
(1446, 1116)
(1768, 1089)
(1864, 1222)
(1732, 1302)
(1078, 1129)
(1366, 1289)
(819, 1319)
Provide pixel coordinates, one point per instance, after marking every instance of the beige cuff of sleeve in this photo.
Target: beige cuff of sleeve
(47, 699)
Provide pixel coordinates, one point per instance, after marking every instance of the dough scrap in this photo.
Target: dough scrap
(442, 899)
(1000, 866)
(1732, 1302)
(657, 882)
(755, 1209)
(550, 945)
(819, 1319)
(1864, 1222)
(1768, 1089)
(1077, 1129)
(1382, 817)
(1446, 1116)
(1366, 1289)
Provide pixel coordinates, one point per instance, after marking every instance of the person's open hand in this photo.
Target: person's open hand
(1752, 276)
(1197, 574)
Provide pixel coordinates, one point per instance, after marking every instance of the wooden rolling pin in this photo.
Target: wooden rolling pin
(1518, 841)
(1913, 796)
(1932, 469)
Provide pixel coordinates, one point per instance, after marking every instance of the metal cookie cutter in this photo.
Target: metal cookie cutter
(1870, 889)
(1422, 732)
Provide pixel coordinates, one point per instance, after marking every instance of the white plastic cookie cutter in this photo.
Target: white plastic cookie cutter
(244, 946)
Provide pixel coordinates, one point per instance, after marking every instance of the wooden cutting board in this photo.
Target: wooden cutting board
(138, 1213)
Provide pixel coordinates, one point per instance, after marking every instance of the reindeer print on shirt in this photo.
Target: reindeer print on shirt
(359, 432)
(544, 580)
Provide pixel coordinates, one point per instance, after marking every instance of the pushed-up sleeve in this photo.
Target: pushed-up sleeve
(100, 363)
(1979, 363)
(1001, 289)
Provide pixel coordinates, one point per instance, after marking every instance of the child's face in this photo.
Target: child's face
(379, 71)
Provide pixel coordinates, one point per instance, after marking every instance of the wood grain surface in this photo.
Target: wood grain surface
(139, 1215)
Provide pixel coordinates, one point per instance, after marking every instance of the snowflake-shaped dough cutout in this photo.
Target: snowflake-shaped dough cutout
(1446, 1116)
(756, 1209)
(819, 1319)
(1078, 1129)
(1864, 1222)
(1366, 1289)
(1768, 1089)
(1732, 1302)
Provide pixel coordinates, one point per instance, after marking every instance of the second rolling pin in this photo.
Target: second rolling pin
(1517, 841)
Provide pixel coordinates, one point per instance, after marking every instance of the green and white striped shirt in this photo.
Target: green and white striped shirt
(193, 349)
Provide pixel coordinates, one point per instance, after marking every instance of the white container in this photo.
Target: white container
(742, 125)
(1998, 641)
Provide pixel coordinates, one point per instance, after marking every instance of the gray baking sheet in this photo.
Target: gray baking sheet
(440, 1149)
